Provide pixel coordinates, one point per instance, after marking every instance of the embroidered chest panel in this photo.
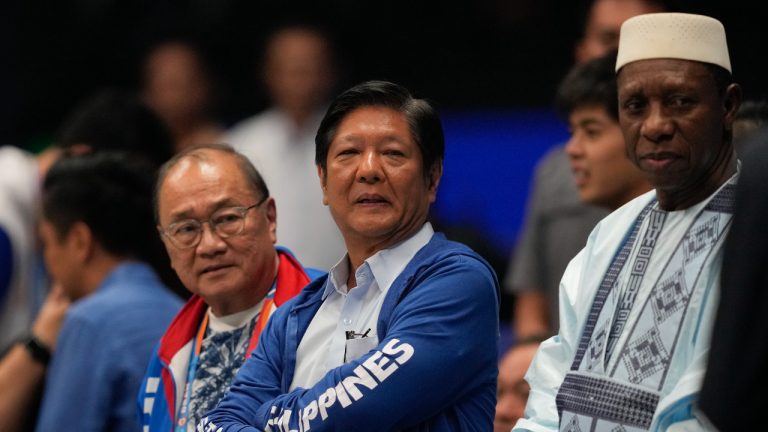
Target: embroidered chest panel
(627, 347)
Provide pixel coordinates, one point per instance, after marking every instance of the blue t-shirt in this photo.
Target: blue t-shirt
(102, 351)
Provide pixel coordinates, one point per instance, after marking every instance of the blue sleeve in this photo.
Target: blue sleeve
(6, 264)
(439, 351)
(81, 379)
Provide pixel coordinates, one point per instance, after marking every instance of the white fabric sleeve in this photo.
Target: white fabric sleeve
(554, 357)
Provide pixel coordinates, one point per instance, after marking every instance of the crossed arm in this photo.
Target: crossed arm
(439, 350)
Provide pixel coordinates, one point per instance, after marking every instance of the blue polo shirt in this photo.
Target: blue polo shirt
(103, 350)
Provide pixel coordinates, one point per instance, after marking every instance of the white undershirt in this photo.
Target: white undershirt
(232, 321)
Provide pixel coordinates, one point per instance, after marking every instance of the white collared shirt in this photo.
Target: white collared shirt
(325, 342)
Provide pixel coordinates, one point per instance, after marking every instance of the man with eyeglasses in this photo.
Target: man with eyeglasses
(218, 223)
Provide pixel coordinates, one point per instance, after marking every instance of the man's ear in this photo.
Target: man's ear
(271, 214)
(731, 104)
(81, 242)
(323, 175)
(433, 179)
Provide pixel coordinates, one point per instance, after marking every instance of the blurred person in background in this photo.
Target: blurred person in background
(557, 221)
(603, 174)
(511, 388)
(23, 367)
(299, 73)
(178, 86)
(736, 374)
(605, 177)
(751, 117)
(97, 230)
(109, 120)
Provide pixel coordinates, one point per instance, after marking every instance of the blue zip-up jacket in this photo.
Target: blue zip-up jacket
(434, 368)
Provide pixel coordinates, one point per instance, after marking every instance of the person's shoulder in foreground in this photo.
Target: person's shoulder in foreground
(402, 333)
(637, 304)
(736, 357)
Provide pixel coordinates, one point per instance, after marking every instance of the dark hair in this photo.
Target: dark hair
(116, 120)
(591, 83)
(109, 192)
(253, 177)
(423, 120)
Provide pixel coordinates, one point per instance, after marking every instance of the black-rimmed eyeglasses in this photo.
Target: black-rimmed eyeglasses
(225, 222)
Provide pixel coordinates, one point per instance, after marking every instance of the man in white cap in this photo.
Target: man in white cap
(637, 303)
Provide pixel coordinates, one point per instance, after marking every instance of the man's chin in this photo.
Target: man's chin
(223, 287)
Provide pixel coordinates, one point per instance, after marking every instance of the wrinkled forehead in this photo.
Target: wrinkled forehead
(374, 119)
(204, 163)
(203, 183)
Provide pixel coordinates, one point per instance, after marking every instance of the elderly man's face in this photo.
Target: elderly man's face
(226, 272)
(375, 184)
(673, 122)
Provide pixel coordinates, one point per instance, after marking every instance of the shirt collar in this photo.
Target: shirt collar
(385, 265)
(233, 321)
(127, 270)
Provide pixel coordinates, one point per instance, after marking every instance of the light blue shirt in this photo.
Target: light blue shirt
(325, 344)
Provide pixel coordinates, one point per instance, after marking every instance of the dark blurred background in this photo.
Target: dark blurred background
(463, 54)
(491, 66)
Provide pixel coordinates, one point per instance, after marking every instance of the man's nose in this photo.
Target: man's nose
(657, 125)
(370, 167)
(210, 241)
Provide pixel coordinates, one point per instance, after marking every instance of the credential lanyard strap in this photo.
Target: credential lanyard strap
(183, 417)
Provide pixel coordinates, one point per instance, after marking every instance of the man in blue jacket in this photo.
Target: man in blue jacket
(402, 333)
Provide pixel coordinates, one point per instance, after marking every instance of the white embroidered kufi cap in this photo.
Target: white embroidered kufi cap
(673, 35)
